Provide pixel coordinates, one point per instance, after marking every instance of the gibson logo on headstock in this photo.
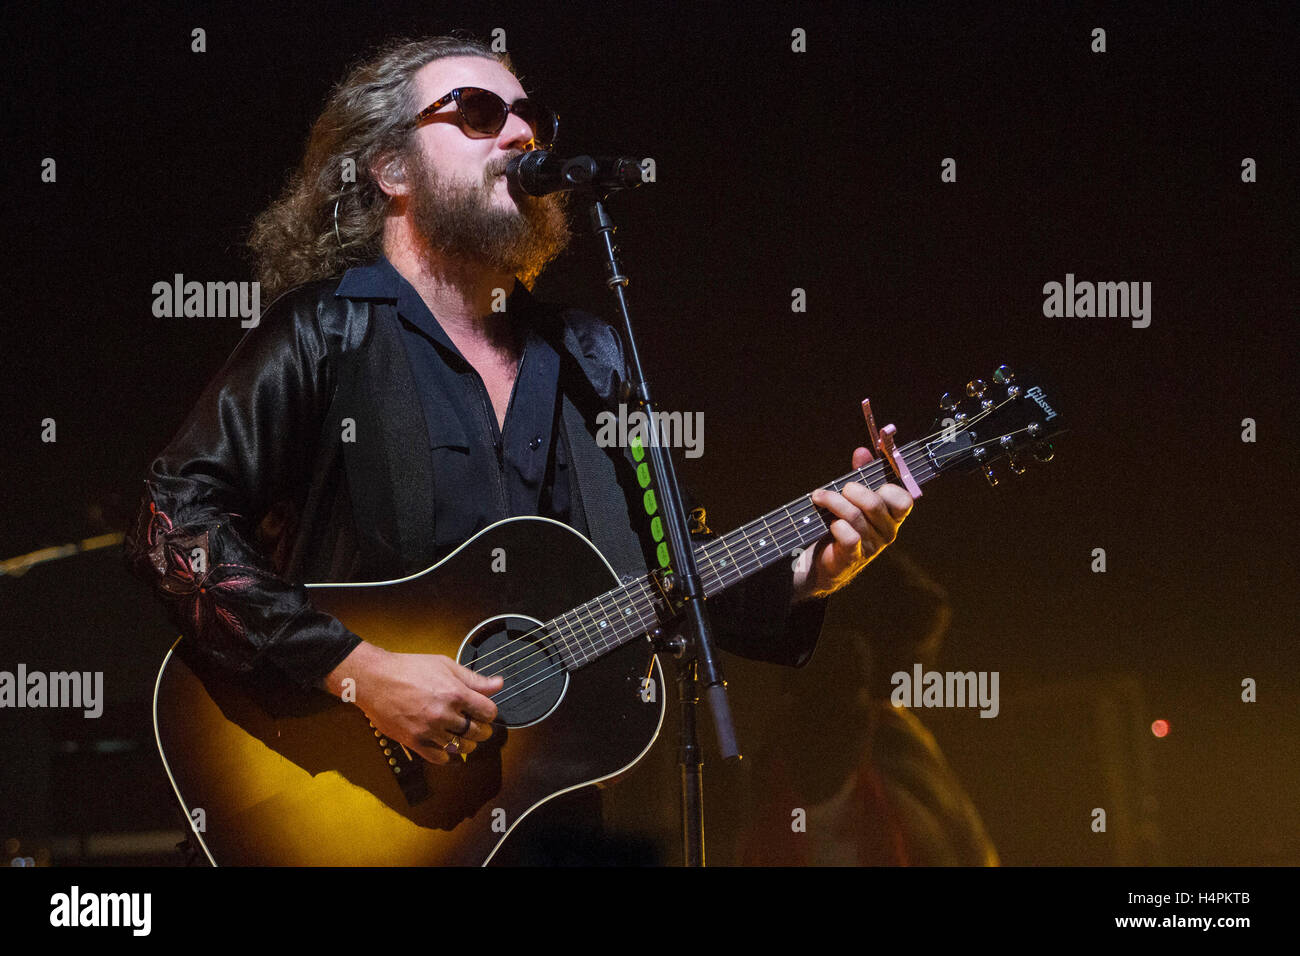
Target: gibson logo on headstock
(1037, 395)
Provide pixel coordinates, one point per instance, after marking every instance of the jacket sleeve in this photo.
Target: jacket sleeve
(757, 617)
(247, 443)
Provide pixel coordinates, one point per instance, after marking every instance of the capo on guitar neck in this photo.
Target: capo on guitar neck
(883, 440)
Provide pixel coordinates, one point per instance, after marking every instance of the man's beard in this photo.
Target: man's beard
(460, 222)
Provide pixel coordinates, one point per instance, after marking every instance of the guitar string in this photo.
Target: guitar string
(645, 603)
(782, 545)
(547, 674)
(918, 450)
(876, 464)
(490, 661)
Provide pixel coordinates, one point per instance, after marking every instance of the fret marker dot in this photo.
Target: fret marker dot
(604, 623)
(762, 542)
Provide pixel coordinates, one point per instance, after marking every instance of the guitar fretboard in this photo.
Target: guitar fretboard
(629, 611)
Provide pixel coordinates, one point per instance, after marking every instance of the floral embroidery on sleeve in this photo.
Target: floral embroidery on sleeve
(200, 590)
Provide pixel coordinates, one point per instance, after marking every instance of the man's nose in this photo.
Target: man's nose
(516, 134)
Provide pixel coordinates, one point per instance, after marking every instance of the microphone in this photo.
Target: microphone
(539, 173)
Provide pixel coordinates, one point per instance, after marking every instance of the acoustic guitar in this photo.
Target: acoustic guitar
(270, 774)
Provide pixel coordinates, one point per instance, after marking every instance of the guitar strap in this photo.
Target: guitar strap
(599, 502)
(390, 491)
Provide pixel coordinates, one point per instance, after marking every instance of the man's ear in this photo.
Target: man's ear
(390, 174)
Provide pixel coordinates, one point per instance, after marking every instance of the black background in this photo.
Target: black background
(776, 170)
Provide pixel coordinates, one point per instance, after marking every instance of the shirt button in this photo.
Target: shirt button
(535, 443)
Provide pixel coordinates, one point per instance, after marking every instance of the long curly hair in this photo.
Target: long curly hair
(366, 120)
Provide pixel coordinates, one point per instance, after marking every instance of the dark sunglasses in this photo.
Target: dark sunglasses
(485, 112)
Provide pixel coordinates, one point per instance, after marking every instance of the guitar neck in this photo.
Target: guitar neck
(629, 611)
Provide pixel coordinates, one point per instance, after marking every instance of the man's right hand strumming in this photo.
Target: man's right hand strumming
(424, 701)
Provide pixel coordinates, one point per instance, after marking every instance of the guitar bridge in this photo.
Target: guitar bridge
(407, 768)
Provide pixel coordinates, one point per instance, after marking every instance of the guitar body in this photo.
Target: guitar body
(290, 777)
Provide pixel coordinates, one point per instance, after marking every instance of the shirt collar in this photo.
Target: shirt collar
(380, 280)
(375, 280)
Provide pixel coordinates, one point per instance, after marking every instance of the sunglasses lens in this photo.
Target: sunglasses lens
(542, 121)
(484, 111)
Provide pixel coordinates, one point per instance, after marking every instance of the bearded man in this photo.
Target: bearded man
(386, 408)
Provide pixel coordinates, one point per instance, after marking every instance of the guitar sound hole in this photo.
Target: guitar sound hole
(519, 650)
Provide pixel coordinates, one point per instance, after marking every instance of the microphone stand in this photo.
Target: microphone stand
(697, 662)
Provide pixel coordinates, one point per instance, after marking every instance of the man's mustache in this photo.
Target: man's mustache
(498, 166)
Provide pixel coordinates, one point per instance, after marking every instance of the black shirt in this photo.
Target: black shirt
(485, 473)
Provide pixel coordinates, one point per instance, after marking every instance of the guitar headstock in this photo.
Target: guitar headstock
(1011, 417)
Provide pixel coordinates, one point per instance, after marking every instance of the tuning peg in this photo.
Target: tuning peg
(947, 403)
(1016, 467)
(990, 476)
(975, 388)
(1003, 375)
(1044, 452)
